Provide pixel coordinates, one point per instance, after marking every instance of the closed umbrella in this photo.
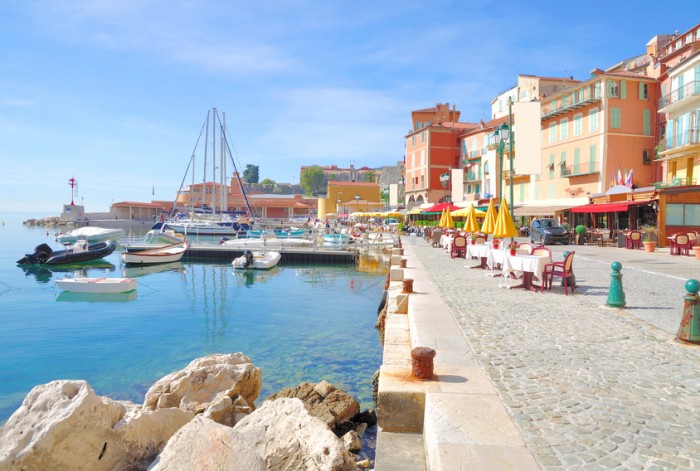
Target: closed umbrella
(441, 223)
(504, 222)
(449, 222)
(490, 220)
(471, 225)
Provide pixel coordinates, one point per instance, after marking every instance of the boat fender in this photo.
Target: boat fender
(356, 231)
(382, 303)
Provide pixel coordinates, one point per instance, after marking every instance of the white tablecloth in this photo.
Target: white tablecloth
(477, 250)
(519, 263)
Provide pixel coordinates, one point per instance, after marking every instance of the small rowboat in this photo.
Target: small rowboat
(262, 260)
(97, 285)
(166, 254)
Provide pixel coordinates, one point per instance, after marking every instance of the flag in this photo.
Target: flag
(629, 181)
(620, 180)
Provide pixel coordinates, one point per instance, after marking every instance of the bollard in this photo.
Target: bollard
(407, 285)
(616, 297)
(403, 263)
(689, 330)
(422, 362)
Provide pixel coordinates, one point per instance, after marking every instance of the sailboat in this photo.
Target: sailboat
(204, 208)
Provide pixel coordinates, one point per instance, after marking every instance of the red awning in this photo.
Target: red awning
(440, 207)
(622, 206)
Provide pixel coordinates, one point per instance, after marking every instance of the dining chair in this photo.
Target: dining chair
(693, 237)
(540, 251)
(527, 246)
(681, 244)
(634, 240)
(459, 247)
(564, 270)
(480, 240)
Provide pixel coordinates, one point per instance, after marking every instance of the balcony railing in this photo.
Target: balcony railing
(567, 102)
(686, 91)
(674, 182)
(684, 138)
(579, 169)
(472, 176)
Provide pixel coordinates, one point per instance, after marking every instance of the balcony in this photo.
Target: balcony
(676, 182)
(578, 100)
(579, 169)
(679, 95)
(472, 177)
(687, 138)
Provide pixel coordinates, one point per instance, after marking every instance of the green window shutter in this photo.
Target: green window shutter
(592, 158)
(551, 166)
(623, 89)
(577, 125)
(550, 191)
(615, 118)
(577, 157)
(696, 86)
(647, 123)
(681, 92)
(537, 193)
(642, 95)
(593, 120)
(596, 90)
(552, 132)
(521, 198)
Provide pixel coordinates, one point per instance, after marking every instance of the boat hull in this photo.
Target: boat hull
(45, 256)
(167, 254)
(260, 260)
(91, 233)
(97, 285)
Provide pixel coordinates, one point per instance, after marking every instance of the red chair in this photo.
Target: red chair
(526, 246)
(634, 240)
(542, 251)
(681, 244)
(564, 270)
(459, 247)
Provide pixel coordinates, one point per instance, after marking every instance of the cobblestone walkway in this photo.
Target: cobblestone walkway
(589, 388)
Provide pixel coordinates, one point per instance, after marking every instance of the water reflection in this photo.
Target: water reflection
(44, 273)
(133, 271)
(249, 277)
(70, 296)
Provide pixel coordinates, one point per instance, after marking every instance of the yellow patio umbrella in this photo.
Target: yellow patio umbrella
(449, 222)
(471, 225)
(504, 223)
(489, 223)
(442, 219)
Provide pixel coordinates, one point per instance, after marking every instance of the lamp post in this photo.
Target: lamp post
(357, 203)
(386, 197)
(502, 134)
(444, 178)
(339, 202)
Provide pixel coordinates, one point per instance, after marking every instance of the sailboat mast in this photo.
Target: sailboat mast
(213, 160)
(204, 173)
(224, 187)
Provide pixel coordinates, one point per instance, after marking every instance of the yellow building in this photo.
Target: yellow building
(350, 197)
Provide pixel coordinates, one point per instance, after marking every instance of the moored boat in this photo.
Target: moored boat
(261, 260)
(91, 233)
(97, 285)
(165, 254)
(79, 252)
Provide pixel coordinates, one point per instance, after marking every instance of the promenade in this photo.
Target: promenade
(586, 387)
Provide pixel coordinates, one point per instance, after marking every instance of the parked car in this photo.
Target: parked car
(391, 222)
(548, 231)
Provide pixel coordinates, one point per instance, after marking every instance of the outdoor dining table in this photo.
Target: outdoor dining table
(480, 251)
(496, 257)
(530, 266)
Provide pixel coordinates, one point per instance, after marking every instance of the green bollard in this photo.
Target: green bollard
(616, 297)
(689, 330)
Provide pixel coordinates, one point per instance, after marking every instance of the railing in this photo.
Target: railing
(684, 138)
(581, 168)
(576, 101)
(676, 182)
(686, 91)
(472, 176)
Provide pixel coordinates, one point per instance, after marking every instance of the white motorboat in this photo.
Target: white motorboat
(97, 285)
(90, 233)
(165, 254)
(267, 241)
(262, 260)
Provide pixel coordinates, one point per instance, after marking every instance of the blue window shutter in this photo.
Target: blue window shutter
(669, 134)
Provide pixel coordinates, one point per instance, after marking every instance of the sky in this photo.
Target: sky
(114, 93)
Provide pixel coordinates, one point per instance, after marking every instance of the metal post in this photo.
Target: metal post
(689, 330)
(500, 171)
(616, 297)
(510, 149)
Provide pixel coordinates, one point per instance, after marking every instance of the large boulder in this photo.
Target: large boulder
(203, 444)
(64, 425)
(223, 387)
(323, 400)
(287, 436)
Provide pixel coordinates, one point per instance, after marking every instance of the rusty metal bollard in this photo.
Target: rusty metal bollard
(403, 263)
(422, 362)
(407, 286)
(689, 330)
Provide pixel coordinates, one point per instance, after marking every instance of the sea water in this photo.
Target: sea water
(296, 322)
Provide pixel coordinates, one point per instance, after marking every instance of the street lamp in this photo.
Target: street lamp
(357, 203)
(444, 178)
(501, 135)
(386, 197)
(338, 209)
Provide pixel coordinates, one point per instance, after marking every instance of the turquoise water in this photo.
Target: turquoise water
(297, 323)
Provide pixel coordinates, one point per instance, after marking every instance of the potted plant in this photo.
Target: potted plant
(513, 247)
(649, 244)
(473, 238)
(580, 234)
(496, 243)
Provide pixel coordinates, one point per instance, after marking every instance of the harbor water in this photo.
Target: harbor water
(296, 322)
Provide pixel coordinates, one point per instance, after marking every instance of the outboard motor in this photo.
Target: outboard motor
(223, 240)
(42, 253)
(248, 258)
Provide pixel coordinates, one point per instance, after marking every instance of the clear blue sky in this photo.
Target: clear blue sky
(114, 92)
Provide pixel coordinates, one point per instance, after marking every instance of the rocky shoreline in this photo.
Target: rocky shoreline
(201, 417)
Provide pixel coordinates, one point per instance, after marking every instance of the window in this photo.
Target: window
(613, 89)
(422, 182)
(623, 89)
(577, 163)
(522, 193)
(679, 83)
(696, 83)
(564, 128)
(643, 91)
(422, 136)
(550, 191)
(422, 157)
(647, 122)
(593, 120)
(551, 166)
(413, 140)
(578, 128)
(615, 118)
(592, 156)
(682, 214)
(552, 132)
(537, 193)
(562, 164)
(596, 90)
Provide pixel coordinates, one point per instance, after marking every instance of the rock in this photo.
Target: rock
(361, 428)
(352, 441)
(324, 401)
(368, 417)
(216, 381)
(366, 464)
(287, 437)
(204, 444)
(64, 425)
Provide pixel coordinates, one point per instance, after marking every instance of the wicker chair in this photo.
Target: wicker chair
(526, 246)
(542, 251)
(564, 270)
(634, 240)
(681, 244)
(459, 247)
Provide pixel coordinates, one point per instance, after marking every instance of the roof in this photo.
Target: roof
(138, 204)
(337, 183)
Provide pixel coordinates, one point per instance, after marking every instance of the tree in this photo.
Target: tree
(313, 180)
(251, 173)
(370, 176)
(267, 181)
